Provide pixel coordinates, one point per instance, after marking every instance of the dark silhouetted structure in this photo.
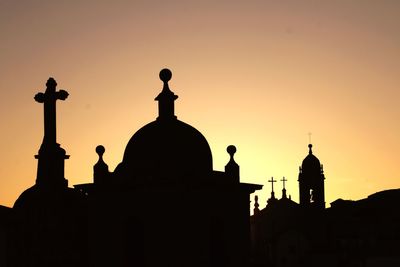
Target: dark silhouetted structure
(349, 233)
(164, 205)
(311, 182)
(49, 219)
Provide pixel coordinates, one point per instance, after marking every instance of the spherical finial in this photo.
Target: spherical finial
(51, 82)
(165, 75)
(100, 150)
(231, 150)
(310, 148)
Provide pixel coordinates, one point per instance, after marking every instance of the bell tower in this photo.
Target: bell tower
(311, 182)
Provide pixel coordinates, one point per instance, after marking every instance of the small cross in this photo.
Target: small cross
(49, 98)
(272, 181)
(284, 180)
(309, 138)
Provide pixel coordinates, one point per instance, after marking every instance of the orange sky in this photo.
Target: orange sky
(256, 74)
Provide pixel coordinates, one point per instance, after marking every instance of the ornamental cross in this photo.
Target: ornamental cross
(284, 180)
(272, 181)
(49, 98)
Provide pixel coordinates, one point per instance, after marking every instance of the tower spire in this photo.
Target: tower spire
(166, 98)
(51, 156)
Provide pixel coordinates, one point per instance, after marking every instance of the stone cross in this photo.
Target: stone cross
(272, 181)
(49, 98)
(284, 180)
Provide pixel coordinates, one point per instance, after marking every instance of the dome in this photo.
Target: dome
(37, 197)
(311, 162)
(166, 149)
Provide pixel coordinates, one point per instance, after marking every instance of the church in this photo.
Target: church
(165, 205)
(349, 233)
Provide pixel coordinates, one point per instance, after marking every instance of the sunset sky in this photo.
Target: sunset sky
(259, 75)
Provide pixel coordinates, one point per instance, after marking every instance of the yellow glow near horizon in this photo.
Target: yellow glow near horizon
(258, 75)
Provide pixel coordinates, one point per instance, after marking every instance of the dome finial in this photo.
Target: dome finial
(165, 75)
(310, 148)
(166, 98)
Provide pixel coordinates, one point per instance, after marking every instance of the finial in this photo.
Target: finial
(284, 180)
(310, 148)
(272, 199)
(272, 181)
(166, 98)
(284, 188)
(100, 169)
(100, 150)
(231, 149)
(232, 168)
(165, 75)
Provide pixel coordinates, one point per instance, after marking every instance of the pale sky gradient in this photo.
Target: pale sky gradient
(256, 74)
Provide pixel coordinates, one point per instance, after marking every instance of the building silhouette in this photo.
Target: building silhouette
(311, 182)
(164, 205)
(349, 233)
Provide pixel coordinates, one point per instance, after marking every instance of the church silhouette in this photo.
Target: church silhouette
(164, 205)
(349, 233)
